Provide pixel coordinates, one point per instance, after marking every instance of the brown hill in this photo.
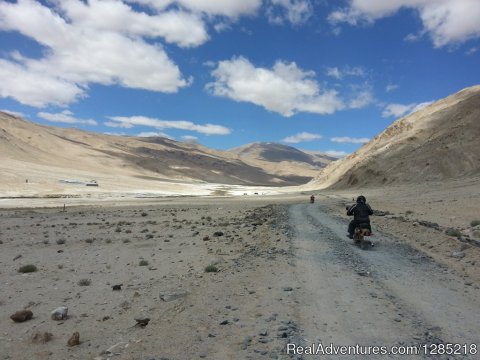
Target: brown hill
(436, 143)
(29, 150)
(281, 159)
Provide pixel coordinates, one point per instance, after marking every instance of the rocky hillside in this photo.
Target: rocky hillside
(23, 142)
(436, 143)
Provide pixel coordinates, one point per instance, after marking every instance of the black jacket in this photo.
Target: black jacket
(360, 212)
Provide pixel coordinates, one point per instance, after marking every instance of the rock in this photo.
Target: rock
(206, 238)
(458, 254)
(264, 332)
(110, 350)
(287, 288)
(173, 296)
(429, 224)
(74, 339)
(60, 313)
(22, 315)
(117, 287)
(142, 320)
(218, 233)
(224, 322)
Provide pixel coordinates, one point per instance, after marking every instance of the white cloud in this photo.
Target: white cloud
(207, 129)
(154, 134)
(350, 140)
(35, 88)
(346, 71)
(335, 153)
(446, 21)
(13, 113)
(399, 110)
(361, 99)
(302, 137)
(190, 139)
(66, 117)
(285, 88)
(89, 47)
(178, 27)
(228, 8)
(294, 11)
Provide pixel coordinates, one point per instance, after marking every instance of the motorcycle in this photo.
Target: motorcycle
(312, 199)
(359, 237)
(359, 234)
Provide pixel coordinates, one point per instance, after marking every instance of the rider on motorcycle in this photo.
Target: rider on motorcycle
(360, 212)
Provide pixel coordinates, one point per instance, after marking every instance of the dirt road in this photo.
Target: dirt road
(391, 295)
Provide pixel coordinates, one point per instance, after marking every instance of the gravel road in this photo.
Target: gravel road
(390, 295)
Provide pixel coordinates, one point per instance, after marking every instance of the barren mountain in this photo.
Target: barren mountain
(29, 150)
(436, 143)
(282, 159)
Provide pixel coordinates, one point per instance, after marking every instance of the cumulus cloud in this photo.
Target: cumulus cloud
(66, 117)
(301, 137)
(34, 87)
(293, 11)
(350, 140)
(129, 122)
(96, 42)
(446, 21)
(399, 110)
(285, 88)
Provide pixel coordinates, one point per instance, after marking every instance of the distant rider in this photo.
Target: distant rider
(360, 212)
(312, 199)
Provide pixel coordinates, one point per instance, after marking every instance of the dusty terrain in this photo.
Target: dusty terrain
(286, 274)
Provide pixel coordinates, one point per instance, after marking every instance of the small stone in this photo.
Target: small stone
(224, 322)
(264, 332)
(74, 339)
(117, 287)
(218, 233)
(142, 320)
(287, 288)
(458, 254)
(60, 313)
(22, 315)
(167, 297)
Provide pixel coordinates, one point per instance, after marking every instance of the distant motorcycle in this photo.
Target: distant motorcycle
(312, 199)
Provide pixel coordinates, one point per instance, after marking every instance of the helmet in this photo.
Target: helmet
(361, 199)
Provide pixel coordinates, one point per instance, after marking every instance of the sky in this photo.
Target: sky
(319, 75)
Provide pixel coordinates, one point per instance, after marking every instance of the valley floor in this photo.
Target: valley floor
(286, 274)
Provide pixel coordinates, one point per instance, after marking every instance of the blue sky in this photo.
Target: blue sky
(316, 74)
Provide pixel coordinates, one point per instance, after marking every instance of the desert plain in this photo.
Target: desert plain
(237, 277)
